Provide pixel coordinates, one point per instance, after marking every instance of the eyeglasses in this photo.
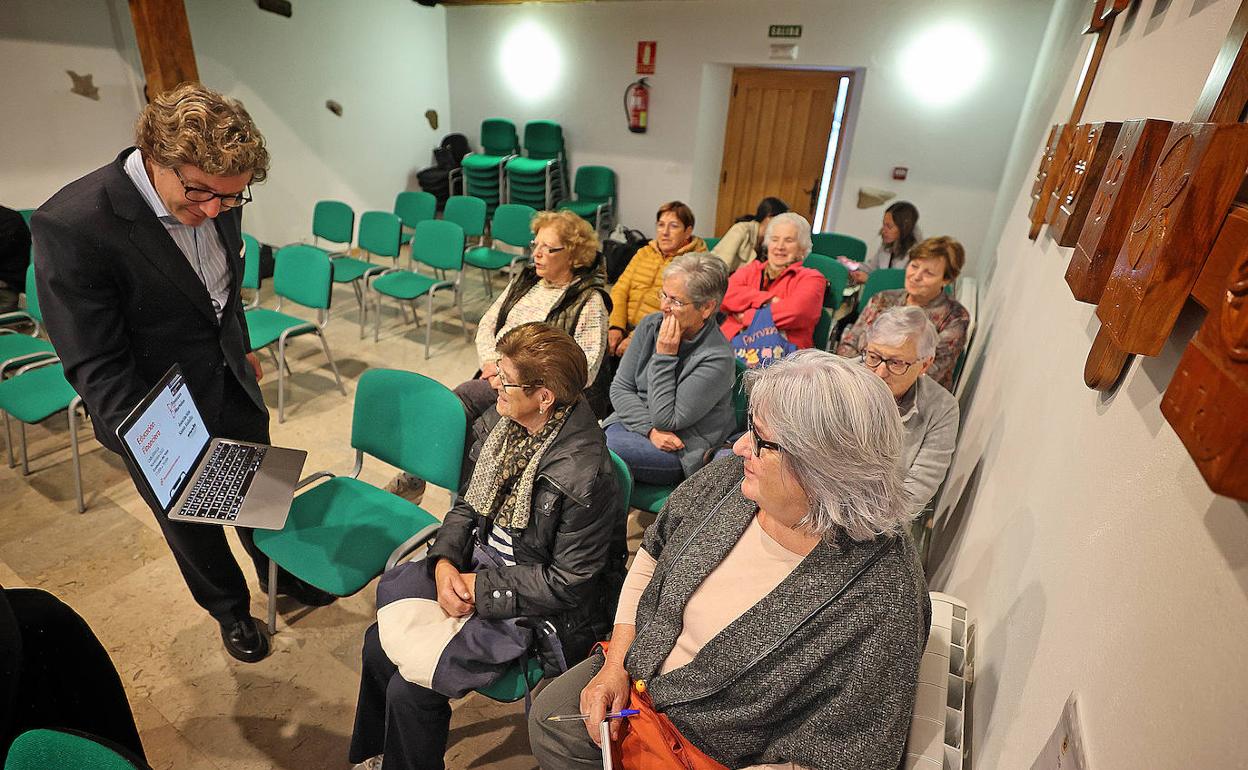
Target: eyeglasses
(669, 299)
(502, 380)
(536, 246)
(759, 442)
(200, 195)
(895, 365)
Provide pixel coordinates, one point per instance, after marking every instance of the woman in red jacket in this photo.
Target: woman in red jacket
(794, 292)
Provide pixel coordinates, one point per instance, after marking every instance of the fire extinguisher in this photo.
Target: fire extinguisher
(637, 105)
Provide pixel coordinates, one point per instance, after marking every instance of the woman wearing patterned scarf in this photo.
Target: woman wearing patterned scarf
(544, 506)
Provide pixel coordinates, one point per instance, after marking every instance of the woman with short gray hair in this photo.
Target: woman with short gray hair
(673, 390)
(794, 292)
(793, 610)
(900, 349)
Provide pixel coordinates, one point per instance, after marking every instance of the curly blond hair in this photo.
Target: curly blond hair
(197, 126)
(577, 235)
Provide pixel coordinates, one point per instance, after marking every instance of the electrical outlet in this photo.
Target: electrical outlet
(1065, 748)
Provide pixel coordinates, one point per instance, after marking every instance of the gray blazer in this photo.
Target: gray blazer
(929, 415)
(689, 394)
(816, 673)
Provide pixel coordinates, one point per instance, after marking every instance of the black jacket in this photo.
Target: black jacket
(122, 304)
(570, 558)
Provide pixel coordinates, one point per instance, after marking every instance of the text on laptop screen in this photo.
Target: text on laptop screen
(167, 439)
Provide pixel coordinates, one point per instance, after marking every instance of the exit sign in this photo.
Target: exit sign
(784, 30)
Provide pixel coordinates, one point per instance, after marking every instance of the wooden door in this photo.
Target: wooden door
(776, 142)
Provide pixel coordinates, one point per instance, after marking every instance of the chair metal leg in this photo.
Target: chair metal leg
(73, 448)
(8, 440)
(459, 298)
(489, 285)
(332, 365)
(377, 319)
(429, 326)
(21, 434)
(363, 303)
(272, 597)
(281, 379)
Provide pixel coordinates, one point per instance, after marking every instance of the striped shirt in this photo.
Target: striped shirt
(201, 245)
(500, 540)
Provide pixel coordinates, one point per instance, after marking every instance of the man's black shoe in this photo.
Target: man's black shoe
(304, 593)
(244, 640)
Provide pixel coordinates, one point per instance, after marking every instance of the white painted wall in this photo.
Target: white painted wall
(1091, 552)
(955, 155)
(48, 135)
(383, 60)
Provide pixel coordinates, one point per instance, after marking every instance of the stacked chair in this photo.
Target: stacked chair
(483, 172)
(537, 178)
(594, 200)
(439, 179)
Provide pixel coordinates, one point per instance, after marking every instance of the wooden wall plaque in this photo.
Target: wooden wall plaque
(1042, 171)
(1207, 401)
(1042, 198)
(1232, 242)
(1201, 168)
(1126, 175)
(1074, 194)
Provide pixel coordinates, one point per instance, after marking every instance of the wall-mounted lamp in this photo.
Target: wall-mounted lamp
(944, 64)
(530, 61)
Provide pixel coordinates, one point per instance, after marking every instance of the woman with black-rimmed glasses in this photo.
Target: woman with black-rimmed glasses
(776, 612)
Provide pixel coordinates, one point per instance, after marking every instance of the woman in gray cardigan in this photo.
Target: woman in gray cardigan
(776, 611)
(673, 391)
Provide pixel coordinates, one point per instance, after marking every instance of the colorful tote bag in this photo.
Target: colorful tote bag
(761, 342)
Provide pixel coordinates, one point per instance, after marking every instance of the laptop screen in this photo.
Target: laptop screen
(166, 437)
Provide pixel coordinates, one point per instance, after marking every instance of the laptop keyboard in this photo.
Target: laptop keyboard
(219, 491)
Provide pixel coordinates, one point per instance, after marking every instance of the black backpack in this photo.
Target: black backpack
(618, 254)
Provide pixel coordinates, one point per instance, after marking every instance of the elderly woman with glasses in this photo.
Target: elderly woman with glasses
(901, 348)
(673, 390)
(794, 292)
(776, 611)
(538, 534)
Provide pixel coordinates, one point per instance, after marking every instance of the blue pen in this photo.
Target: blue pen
(582, 717)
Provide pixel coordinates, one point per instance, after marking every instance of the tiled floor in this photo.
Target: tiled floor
(196, 707)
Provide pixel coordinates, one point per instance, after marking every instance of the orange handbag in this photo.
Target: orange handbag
(649, 741)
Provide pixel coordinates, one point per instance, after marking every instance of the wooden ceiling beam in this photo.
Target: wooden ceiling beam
(164, 37)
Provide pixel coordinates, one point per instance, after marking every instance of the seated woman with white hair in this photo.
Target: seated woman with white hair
(776, 611)
(901, 347)
(794, 292)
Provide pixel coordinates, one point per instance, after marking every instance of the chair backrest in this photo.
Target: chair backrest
(498, 136)
(415, 206)
(466, 211)
(251, 262)
(42, 749)
(32, 299)
(881, 279)
(512, 224)
(380, 232)
(543, 139)
(823, 329)
(837, 245)
(740, 401)
(333, 220)
(837, 275)
(412, 422)
(303, 274)
(440, 244)
(623, 477)
(594, 183)
(711, 243)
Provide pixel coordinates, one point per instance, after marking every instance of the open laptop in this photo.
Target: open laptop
(198, 478)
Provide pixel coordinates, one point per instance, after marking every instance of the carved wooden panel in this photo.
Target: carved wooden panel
(1073, 197)
(1201, 167)
(1207, 401)
(1227, 250)
(1112, 209)
(1041, 204)
(1046, 160)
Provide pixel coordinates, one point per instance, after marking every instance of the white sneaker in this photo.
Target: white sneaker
(372, 763)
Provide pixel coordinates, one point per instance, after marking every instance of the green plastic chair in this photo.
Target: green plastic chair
(467, 212)
(837, 245)
(483, 172)
(36, 392)
(413, 207)
(512, 224)
(46, 749)
(251, 268)
(881, 279)
(17, 349)
(380, 235)
(440, 245)
(594, 191)
(333, 221)
(711, 243)
(302, 275)
(536, 179)
(525, 675)
(340, 534)
(837, 275)
(823, 329)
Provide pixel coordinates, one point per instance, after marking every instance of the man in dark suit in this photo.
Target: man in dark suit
(138, 266)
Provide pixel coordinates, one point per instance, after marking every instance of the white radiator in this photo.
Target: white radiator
(937, 740)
